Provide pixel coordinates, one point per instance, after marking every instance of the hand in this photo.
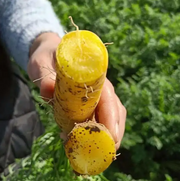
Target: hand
(41, 65)
(109, 111)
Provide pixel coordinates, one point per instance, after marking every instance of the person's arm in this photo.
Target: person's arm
(21, 21)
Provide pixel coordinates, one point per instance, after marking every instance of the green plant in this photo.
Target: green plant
(145, 69)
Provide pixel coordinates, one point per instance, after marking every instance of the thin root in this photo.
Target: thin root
(48, 112)
(44, 98)
(97, 90)
(51, 100)
(91, 89)
(41, 78)
(77, 28)
(92, 97)
(86, 95)
(88, 89)
(115, 158)
(51, 72)
(106, 44)
(118, 154)
(48, 102)
(53, 79)
(86, 86)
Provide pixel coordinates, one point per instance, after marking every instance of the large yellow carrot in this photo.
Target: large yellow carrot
(82, 61)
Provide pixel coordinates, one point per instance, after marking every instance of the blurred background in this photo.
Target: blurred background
(144, 67)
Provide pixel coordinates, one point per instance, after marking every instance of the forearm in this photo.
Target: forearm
(21, 22)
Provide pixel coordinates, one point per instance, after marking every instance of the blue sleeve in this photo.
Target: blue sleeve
(21, 21)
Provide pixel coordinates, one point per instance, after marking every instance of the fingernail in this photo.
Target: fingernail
(117, 131)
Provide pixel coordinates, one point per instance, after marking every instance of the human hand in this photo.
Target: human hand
(111, 112)
(41, 67)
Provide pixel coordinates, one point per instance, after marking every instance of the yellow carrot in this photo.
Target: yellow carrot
(90, 148)
(81, 67)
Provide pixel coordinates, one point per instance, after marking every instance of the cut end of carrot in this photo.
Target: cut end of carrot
(90, 148)
(82, 56)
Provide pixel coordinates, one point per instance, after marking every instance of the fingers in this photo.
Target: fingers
(111, 113)
(121, 121)
(41, 67)
(41, 72)
(47, 87)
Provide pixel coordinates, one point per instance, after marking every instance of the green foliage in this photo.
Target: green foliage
(144, 66)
